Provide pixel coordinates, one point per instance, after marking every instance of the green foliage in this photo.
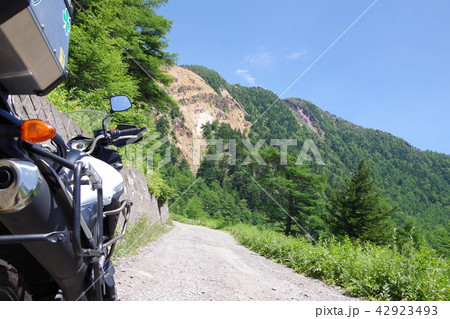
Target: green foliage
(295, 188)
(140, 234)
(117, 47)
(163, 126)
(416, 182)
(357, 209)
(64, 100)
(363, 269)
(158, 187)
(194, 208)
(211, 77)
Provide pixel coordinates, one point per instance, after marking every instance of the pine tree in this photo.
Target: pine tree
(358, 210)
(298, 191)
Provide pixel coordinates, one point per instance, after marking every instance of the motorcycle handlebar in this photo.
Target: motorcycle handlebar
(116, 134)
(129, 131)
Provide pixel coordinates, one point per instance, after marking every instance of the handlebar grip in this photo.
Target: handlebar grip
(131, 131)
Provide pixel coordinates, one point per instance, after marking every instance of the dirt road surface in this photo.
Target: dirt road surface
(195, 263)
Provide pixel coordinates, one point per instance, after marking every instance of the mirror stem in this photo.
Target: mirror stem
(103, 123)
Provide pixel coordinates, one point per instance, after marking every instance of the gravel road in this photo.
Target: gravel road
(196, 263)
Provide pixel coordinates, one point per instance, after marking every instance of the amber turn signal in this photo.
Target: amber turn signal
(36, 131)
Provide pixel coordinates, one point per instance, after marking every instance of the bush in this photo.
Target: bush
(363, 269)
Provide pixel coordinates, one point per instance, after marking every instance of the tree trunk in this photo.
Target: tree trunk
(287, 230)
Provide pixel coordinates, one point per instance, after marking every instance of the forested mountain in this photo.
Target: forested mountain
(416, 181)
(413, 184)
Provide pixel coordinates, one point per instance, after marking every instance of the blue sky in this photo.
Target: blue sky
(390, 71)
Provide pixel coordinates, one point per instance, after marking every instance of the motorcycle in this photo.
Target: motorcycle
(60, 207)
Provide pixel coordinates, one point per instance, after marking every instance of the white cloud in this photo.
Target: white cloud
(246, 76)
(263, 59)
(294, 56)
(297, 55)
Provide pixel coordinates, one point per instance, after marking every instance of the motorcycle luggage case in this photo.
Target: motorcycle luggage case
(34, 44)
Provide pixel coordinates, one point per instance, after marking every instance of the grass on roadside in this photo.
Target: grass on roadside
(363, 269)
(140, 234)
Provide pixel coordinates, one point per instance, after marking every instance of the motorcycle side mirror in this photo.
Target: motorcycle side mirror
(119, 103)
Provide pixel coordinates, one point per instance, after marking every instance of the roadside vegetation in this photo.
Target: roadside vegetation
(362, 268)
(140, 234)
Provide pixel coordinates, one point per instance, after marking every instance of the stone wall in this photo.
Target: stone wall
(30, 106)
(143, 201)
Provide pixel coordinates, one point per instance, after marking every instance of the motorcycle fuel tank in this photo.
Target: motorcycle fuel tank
(112, 182)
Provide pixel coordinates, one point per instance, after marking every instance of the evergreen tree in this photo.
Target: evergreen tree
(117, 47)
(358, 210)
(298, 190)
(194, 208)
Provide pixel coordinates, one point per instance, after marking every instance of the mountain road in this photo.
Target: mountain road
(194, 263)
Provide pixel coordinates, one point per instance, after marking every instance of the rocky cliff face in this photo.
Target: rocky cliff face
(199, 105)
(305, 117)
(28, 106)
